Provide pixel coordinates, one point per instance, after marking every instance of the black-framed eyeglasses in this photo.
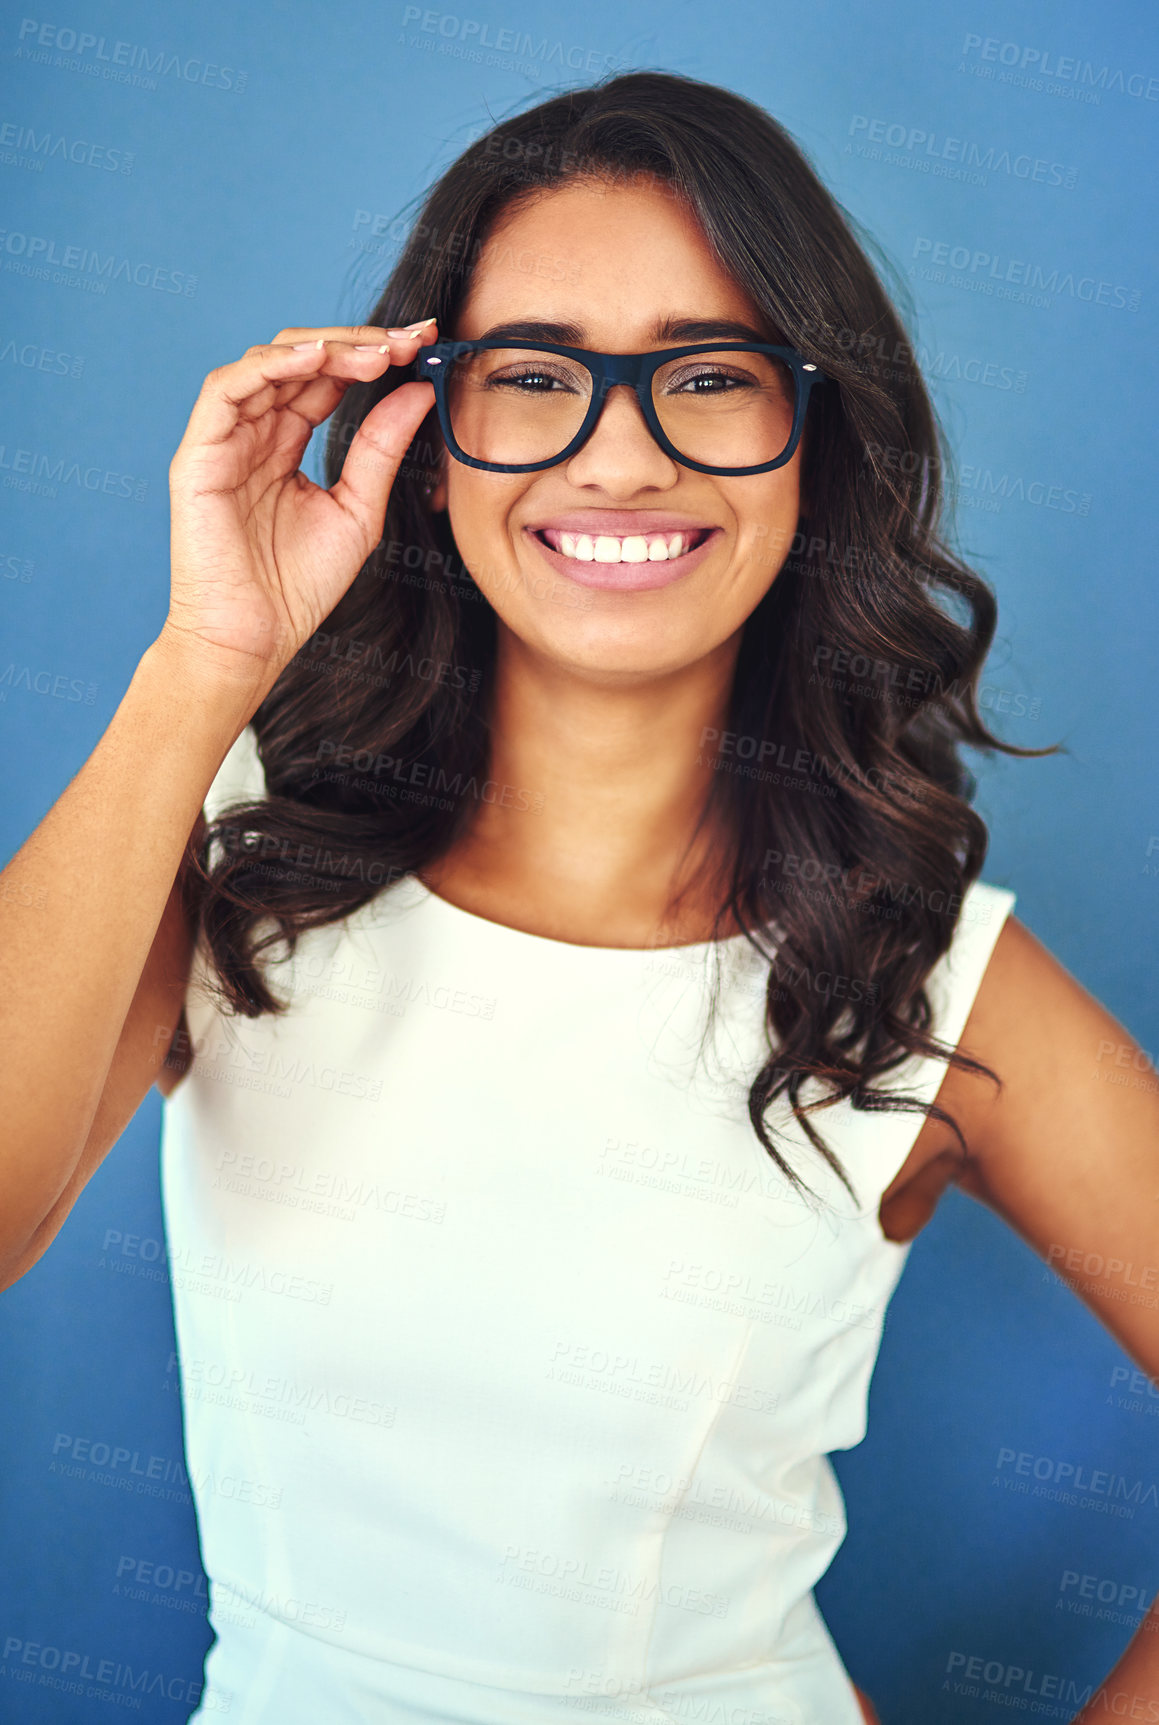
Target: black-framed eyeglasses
(727, 407)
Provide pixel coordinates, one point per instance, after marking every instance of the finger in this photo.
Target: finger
(249, 386)
(376, 452)
(316, 395)
(353, 332)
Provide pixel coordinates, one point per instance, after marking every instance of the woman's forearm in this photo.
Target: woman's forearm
(80, 904)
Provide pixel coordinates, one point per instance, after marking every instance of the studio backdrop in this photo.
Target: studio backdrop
(182, 183)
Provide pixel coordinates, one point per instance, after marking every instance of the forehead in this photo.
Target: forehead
(612, 256)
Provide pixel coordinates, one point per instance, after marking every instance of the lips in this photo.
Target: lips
(597, 560)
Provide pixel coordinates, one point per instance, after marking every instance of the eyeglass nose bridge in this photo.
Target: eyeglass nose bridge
(620, 368)
(617, 368)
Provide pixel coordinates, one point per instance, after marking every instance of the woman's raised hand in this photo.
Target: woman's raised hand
(260, 554)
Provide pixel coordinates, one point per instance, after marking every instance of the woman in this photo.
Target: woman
(496, 860)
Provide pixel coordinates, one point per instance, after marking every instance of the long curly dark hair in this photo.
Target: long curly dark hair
(856, 679)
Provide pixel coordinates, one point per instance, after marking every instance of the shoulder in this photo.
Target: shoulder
(1030, 1015)
(1072, 1081)
(1003, 999)
(1026, 1015)
(973, 998)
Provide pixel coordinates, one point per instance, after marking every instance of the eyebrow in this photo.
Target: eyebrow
(668, 329)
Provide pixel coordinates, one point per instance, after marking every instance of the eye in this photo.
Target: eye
(716, 381)
(534, 380)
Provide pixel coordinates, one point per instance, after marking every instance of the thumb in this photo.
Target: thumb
(376, 452)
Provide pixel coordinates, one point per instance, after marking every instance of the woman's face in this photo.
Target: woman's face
(614, 261)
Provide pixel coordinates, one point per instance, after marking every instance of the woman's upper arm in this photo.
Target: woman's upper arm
(1067, 1153)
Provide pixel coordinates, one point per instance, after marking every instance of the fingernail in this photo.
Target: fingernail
(301, 346)
(413, 328)
(369, 347)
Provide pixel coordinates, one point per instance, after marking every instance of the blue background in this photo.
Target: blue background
(258, 198)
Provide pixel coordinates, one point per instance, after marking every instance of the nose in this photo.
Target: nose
(621, 456)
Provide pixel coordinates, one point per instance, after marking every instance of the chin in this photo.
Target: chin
(601, 636)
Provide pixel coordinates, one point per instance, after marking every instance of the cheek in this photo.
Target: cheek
(479, 507)
(475, 513)
(766, 526)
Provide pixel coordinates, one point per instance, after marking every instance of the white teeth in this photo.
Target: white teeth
(633, 548)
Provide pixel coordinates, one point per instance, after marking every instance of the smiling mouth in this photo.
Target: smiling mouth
(623, 548)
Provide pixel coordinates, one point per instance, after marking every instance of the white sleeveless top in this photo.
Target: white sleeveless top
(510, 1360)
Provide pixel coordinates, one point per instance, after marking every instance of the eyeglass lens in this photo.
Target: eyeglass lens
(512, 405)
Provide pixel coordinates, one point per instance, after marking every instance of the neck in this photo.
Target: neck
(620, 777)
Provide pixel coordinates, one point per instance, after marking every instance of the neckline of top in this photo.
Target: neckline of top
(453, 912)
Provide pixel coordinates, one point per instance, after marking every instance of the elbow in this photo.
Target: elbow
(17, 1257)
